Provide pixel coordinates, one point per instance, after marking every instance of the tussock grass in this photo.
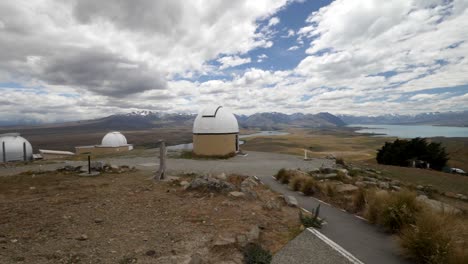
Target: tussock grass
(296, 182)
(435, 238)
(392, 210)
(309, 187)
(358, 201)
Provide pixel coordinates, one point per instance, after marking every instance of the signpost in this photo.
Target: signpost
(162, 161)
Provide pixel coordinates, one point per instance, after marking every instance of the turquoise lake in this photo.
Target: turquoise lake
(412, 131)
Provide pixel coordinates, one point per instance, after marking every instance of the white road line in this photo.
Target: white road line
(335, 246)
(321, 201)
(362, 218)
(305, 210)
(273, 177)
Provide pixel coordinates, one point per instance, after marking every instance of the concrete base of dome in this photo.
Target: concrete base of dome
(215, 144)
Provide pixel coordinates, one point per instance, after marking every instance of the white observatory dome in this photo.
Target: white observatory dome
(215, 120)
(114, 139)
(13, 147)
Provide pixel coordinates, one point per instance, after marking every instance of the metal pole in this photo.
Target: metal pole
(4, 151)
(89, 164)
(24, 151)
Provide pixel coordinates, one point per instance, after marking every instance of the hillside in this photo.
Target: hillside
(273, 121)
(436, 118)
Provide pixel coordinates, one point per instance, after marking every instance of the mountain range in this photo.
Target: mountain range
(435, 118)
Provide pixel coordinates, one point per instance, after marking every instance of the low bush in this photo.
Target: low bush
(340, 161)
(330, 190)
(255, 254)
(309, 187)
(353, 173)
(392, 210)
(297, 182)
(430, 239)
(282, 173)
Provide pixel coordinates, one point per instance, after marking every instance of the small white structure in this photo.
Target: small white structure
(13, 147)
(215, 132)
(114, 139)
(55, 154)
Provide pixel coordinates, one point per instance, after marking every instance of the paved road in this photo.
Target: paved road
(358, 237)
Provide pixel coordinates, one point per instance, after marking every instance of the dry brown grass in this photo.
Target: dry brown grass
(435, 238)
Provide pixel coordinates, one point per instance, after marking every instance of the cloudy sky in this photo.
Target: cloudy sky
(81, 59)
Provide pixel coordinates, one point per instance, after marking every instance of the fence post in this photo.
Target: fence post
(162, 161)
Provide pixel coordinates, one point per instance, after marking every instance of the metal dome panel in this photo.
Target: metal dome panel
(215, 120)
(13, 147)
(114, 139)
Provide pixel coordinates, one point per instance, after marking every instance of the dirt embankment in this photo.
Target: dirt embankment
(127, 218)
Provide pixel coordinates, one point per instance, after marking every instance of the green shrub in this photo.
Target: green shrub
(309, 186)
(353, 173)
(255, 254)
(311, 221)
(429, 240)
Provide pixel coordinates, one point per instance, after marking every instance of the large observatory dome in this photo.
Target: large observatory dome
(13, 147)
(215, 120)
(114, 139)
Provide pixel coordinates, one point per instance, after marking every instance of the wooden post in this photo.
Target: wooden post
(162, 161)
(4, 151)
(89, 164)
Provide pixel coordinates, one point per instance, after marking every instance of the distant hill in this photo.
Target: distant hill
(436, 118)
(273, 121)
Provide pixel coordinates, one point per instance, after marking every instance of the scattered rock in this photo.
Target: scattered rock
(328, 176)
(210, 184)
(150, 253)
(253, 234)
(330, 156)
(3, 240)
(438, 205)
(82, 237)
(241, 240)
(224, 240)
(462, 197)
(395, 182)
(370, 179)
(272, 205)
(346, 188)
(184, 184)
(344, 171)
(98, 220)
(291, 201)
(86, 174)
(97, 165)
(221, 176)
(360, 184)
(370, 183)
(327, 170)
(384, 185)
(396, 188)
(420, 187)
(237, 194)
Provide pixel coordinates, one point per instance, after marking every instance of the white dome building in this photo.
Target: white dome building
(13, 147)
(114, 139)
(215, 132)
(112, 142)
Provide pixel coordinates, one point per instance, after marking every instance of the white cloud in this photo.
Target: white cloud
(232, 61)
(293, 48)
(273, 21)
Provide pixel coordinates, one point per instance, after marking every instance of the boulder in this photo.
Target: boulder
(211, 184)
(360, 184)
(328, 176)
(438, 206)
(221, 176)
(237, 194)
(327, 170)
(395, 188)
(291, 201)
(384, 185)
(346, 188)
(97, 165)
(184, 184)
(224, 240)
(253, 234)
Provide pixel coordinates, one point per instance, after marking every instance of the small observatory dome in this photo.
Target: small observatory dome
(114, 139)
(13, 147)
(215, 120)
